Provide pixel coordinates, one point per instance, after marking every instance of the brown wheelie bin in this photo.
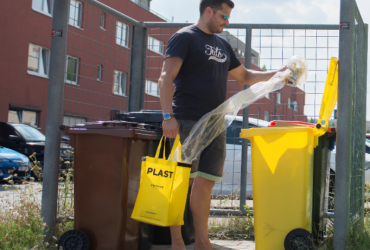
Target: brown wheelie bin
(107, 166)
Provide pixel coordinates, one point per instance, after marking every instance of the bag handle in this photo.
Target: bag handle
(159, 148)
(175, 145)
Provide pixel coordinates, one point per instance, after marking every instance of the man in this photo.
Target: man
(192, 83)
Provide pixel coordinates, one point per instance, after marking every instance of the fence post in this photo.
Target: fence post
(344, 135)
(54, 113)
(138, 56)
(364, 55)
(243, 171)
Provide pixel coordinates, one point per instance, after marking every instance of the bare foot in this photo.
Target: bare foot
(208, 246)
(178, 247)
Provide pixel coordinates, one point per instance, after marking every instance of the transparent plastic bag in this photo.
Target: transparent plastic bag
(218, 120)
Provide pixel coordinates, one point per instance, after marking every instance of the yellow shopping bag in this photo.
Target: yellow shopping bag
(163, 190)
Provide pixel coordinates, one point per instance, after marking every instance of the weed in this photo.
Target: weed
(21, 224)
(232, 227)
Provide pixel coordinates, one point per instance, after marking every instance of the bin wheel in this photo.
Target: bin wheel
(74, 240)
(298, 239)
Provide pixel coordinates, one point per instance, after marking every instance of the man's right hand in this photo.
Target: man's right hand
(170, 128)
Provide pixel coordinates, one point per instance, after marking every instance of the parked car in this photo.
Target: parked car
(230, 184)
(13, 163)
(26, 139)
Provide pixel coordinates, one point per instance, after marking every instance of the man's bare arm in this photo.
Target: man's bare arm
(250, 77)
(171, 67)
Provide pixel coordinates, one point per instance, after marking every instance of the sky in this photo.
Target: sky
(269, 11)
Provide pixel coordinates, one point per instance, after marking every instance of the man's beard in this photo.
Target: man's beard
(212, 27)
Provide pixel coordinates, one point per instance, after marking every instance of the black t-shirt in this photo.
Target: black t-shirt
(201, 83)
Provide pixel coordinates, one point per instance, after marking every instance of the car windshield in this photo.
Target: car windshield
(29, 133)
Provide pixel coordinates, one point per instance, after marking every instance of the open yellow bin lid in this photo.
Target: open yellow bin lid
(329, 101)
(329, 98)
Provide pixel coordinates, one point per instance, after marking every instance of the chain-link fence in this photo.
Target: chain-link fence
(101, 80)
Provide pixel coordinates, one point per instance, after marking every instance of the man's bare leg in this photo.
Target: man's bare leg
(177, 242)
(200, 203)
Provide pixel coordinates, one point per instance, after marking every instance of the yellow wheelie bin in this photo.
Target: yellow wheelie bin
(282, 177)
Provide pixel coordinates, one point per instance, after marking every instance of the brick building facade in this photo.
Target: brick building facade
(25, 55)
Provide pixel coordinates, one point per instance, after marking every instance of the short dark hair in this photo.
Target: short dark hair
(214, 4)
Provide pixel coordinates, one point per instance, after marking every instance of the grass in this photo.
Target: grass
(21, 225)
(358, 239)
(232, 227)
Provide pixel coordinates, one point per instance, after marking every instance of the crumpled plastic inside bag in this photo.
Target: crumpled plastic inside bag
(218, 120)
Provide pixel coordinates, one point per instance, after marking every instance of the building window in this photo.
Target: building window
(72, 70)
(119, 83)
(75, 14)
(24, 116)
(102, 20)
(73, 120)
(155, 45)
(278, 98)
(99, 76)
(43, 6)
(152, 88)
(292, 105)
(122, 34)
(267, 96)
(295, 106)
(38, 60)
(267, 116)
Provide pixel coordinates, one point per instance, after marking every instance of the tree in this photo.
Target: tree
(264, 67)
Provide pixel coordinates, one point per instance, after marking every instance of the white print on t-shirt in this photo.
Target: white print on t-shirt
(215, 54)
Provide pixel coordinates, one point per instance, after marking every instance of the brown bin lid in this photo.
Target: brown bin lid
(114, 128)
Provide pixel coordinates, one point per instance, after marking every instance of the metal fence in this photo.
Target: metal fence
(111, 64)
(359, 120)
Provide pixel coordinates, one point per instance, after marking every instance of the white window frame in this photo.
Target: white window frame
(20, 114)
(292, 105)
(267, 116)
(99, 76)
(278, 98)
(123, 77)
(76, 74)
(295, 105)
(75, 118)
(45, 9)
(267, 95)
(125, 29)
(78, 9)
(103, 17)
(40, 62)
(149, 86)
(153, 47)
